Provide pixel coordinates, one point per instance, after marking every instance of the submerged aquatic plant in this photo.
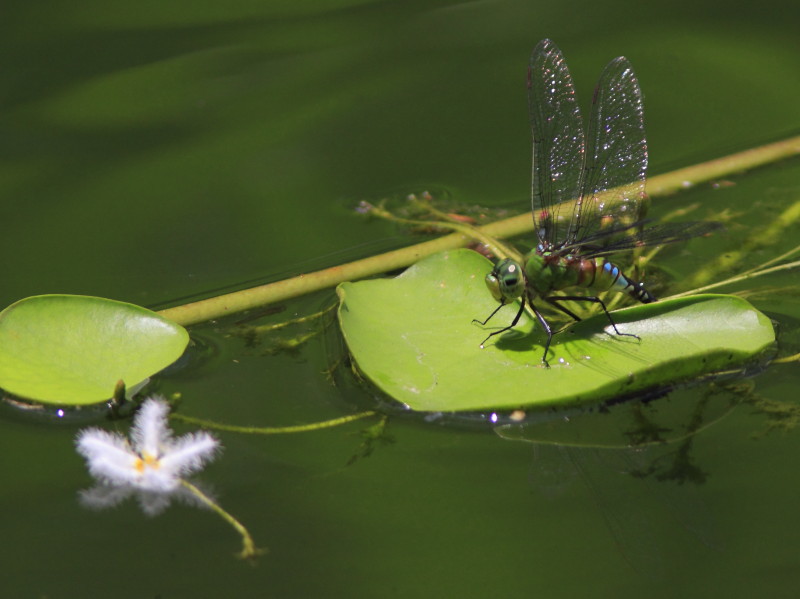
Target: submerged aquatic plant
(151, 466)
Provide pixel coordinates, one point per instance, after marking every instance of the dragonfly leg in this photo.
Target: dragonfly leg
(593, 299)
(483, 322)
(548, 330)
(553, 301)
(509, 327)
(542, 321)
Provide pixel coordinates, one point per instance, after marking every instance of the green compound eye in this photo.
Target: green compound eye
(506, 282)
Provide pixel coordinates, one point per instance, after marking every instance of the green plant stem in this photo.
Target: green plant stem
(249, 549)
(787, 359)
(775, 260)
(268, 328)
(684, 178)
(268, 430)
(474, 233)
(743, 277)
(765, 236)
(659, 185)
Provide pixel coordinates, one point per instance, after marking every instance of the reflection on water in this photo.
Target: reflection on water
(635, 465)
(644, 515)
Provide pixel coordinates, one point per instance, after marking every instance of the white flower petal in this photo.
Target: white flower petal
(109, 456)
(149, 432)
(104, 496)
(189, 453)
(153, 504)
(158, 480)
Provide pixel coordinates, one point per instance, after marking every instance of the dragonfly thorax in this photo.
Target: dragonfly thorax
(507, 281)
(547, 269)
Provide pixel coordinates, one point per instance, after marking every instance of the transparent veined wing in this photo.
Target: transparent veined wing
(613, 178)
(607, 242)
(558, 142)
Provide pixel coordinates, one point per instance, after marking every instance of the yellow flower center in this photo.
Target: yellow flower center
(145, 461)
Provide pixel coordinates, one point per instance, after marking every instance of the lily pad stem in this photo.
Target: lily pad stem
(660, 185)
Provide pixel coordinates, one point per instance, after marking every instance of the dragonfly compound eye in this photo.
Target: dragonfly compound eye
(511, 280)
(493, 285)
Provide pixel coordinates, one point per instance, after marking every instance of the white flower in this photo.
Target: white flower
(150, 466)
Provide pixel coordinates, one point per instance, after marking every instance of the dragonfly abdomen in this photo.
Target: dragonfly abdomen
(608, 275)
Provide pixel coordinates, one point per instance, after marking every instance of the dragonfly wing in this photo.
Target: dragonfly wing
(613, 181)
(558, 141)
(604, 244)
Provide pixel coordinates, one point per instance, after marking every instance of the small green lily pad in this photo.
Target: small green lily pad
(413, 336)
(72, 349)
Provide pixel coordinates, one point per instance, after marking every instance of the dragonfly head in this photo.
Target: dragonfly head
(506, 282)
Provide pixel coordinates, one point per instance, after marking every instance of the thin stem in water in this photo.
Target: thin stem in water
(269, 430)
(743, 277)
(249, 549)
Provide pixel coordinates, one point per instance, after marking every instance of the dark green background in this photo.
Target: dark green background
(151, 151)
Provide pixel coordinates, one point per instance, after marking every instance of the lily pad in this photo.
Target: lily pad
(413, 336)
(72, 349)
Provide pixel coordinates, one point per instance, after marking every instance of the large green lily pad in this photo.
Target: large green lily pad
(413, 336)
(72, 349)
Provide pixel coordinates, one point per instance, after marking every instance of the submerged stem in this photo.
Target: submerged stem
(743, 277)
(269, 430)
(268, 328)
(764, 236)
(787, 359)
(249, 549)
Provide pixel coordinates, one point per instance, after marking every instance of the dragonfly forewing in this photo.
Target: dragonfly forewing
(558, 141)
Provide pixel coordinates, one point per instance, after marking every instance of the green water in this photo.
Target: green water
(161, 151)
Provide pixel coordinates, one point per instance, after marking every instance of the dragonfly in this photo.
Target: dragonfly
(587, 194)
